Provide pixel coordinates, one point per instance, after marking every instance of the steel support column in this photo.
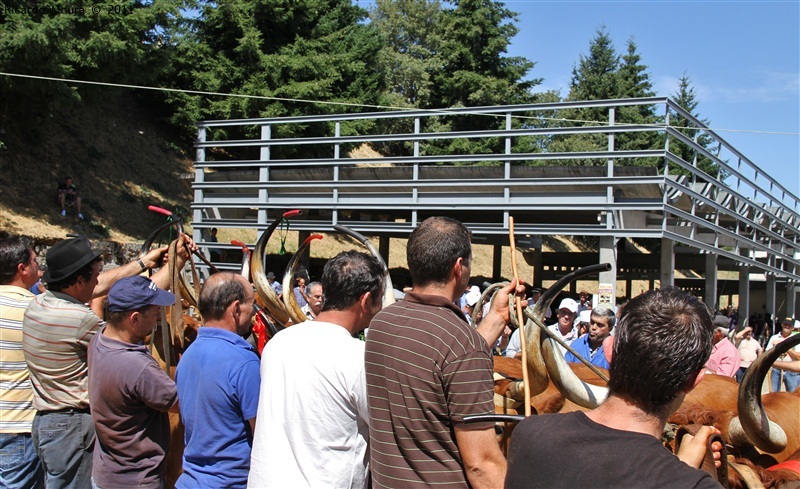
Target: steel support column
(744, 293)
(667, 273)
(711, 298)
(608, 254)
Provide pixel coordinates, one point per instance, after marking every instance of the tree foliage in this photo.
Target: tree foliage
(686, 97)
(603, 74)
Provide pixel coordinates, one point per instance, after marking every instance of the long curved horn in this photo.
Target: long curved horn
(388, 288)
(245, 259)
(294, 310)
(264, 294)
(563, 377)
(186, 290)
(753, 424)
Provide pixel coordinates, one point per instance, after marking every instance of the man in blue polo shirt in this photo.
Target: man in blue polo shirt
(590, 345)
(218, 384)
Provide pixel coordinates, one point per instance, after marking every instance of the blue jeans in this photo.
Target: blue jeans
(65, 444)
(790, 380)
(19, 466)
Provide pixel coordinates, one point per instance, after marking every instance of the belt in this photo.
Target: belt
(65, 411)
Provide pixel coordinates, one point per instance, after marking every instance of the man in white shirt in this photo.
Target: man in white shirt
(313, 428)
(565, 327)
(749, 349)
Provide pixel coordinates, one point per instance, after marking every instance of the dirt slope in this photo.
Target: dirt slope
(118, 153)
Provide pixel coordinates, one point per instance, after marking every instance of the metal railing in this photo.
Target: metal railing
(249, 170)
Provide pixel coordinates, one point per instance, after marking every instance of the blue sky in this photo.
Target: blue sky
(743, 59)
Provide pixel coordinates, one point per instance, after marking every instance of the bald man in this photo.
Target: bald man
(218, 384)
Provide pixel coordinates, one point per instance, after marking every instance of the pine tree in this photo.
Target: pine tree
(410, 56)
(594, 78)
(309, 50)
(687, 99)
(633, 81)
(476, 71)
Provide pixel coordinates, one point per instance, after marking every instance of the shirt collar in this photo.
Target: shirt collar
(434, 300)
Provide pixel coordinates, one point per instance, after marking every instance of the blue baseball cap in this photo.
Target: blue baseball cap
(132, 293)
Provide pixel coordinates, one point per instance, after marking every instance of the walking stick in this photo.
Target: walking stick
(520, 320)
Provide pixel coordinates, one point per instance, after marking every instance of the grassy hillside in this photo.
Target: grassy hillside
(117, 150)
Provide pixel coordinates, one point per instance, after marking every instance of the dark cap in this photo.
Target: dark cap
(721, 321)
(131, 293)
(536, 291)
(67, 257)
(270, 275)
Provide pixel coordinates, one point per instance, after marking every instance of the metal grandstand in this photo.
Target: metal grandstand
(249, 171)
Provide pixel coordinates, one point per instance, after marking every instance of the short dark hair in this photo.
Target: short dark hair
(215, 297)
(13, 251)
(84, 272)
(347, 276)
(433, 248)
(662, 341)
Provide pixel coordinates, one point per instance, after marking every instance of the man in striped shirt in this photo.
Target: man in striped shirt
(427, 369)
(18, 273)
(57, 329)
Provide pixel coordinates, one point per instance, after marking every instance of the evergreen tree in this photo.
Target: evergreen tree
(410, 55)
(309, 50)
(122, 42)
(687, 99)
(633, 81)
(475, 71)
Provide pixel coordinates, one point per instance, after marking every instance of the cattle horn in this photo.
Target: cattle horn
(294, 310)
(388, 287)
(563, 377)
(264, 292)
(187, 292)
(752, 423)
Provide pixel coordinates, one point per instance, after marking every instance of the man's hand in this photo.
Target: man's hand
(693, 448)
(500, 313)
(154, 257)
(186, 246)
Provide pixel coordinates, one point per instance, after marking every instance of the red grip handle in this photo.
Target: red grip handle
(238, 243)
(159, 210)
(295, 212)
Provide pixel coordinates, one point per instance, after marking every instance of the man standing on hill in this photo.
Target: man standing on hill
(18, 273)
(427, 369)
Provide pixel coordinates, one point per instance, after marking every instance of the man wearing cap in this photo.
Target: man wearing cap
(564, 327)
(18, 272)
(128, 391)
(276, 286)
(724, 358)
(789, 379)
(218, 383)
(57, 328)
(590, 345)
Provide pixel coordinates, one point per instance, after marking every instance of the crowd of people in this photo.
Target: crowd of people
(86, 405)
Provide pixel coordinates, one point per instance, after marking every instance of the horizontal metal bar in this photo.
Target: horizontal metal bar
(498, 109)
(427, 136)
(433, 183)
(432, 160)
